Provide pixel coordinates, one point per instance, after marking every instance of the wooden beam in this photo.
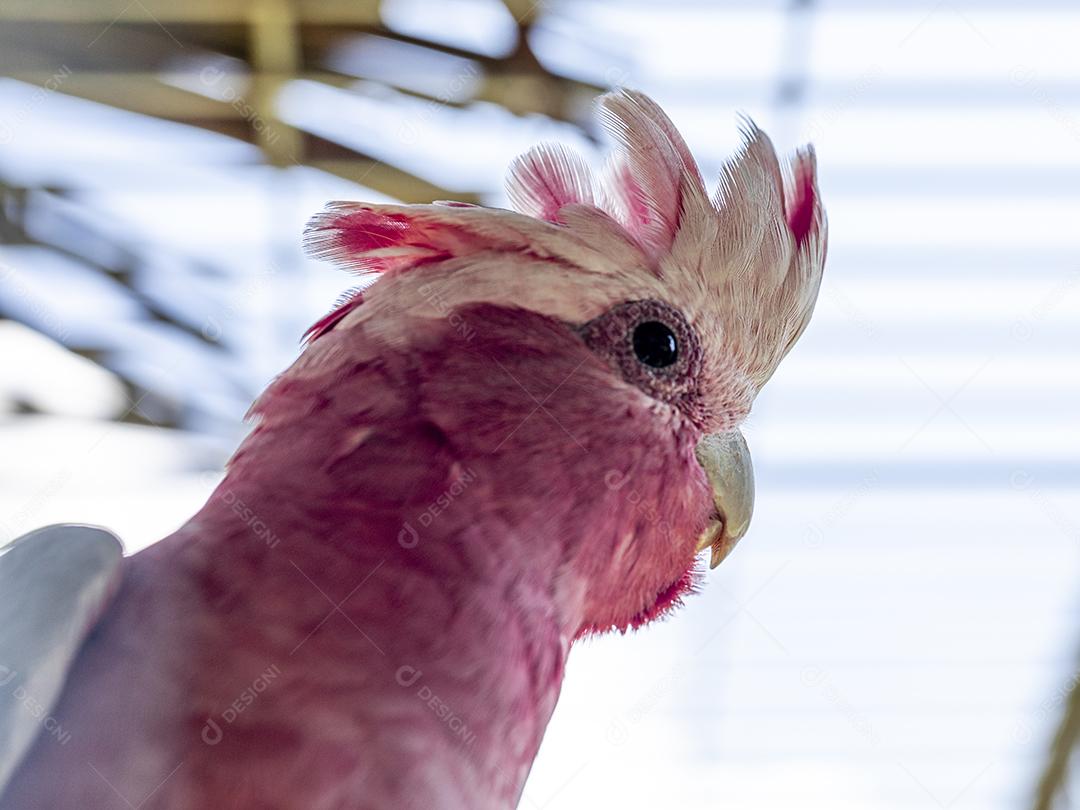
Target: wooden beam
(275, 59)
(137, 92)
(145, 92)
(391, 181)
(205, 12)
(524, 12)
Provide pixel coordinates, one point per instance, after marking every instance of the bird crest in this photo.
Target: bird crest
(745, 263)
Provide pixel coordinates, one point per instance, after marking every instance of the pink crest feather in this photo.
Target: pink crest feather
(547, 178)
(646, 184)
(380, 239)
(369, 239)
(800, 199)
(653, 172)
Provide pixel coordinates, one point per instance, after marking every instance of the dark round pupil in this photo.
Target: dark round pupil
(655, 344)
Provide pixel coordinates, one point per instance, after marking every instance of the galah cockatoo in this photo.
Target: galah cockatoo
(521, 433)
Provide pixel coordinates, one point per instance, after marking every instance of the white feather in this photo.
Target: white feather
(54, 585)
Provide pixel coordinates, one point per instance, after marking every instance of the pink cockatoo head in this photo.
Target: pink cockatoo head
(593, 352)
(661, 307)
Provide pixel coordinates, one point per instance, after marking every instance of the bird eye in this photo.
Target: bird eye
(655, 344)
(651, 345)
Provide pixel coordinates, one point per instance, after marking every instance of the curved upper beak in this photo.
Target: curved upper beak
(726, 461)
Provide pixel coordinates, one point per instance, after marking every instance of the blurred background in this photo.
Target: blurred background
(901, 628)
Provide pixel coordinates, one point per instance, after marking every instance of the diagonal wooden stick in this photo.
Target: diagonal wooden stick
(1053, 783)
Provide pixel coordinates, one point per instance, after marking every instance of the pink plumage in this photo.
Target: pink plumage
(488, 455)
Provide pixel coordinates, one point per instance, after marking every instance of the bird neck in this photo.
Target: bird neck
(432, 672)
(410, 535)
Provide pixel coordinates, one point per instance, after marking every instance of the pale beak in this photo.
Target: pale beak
(726, 461)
